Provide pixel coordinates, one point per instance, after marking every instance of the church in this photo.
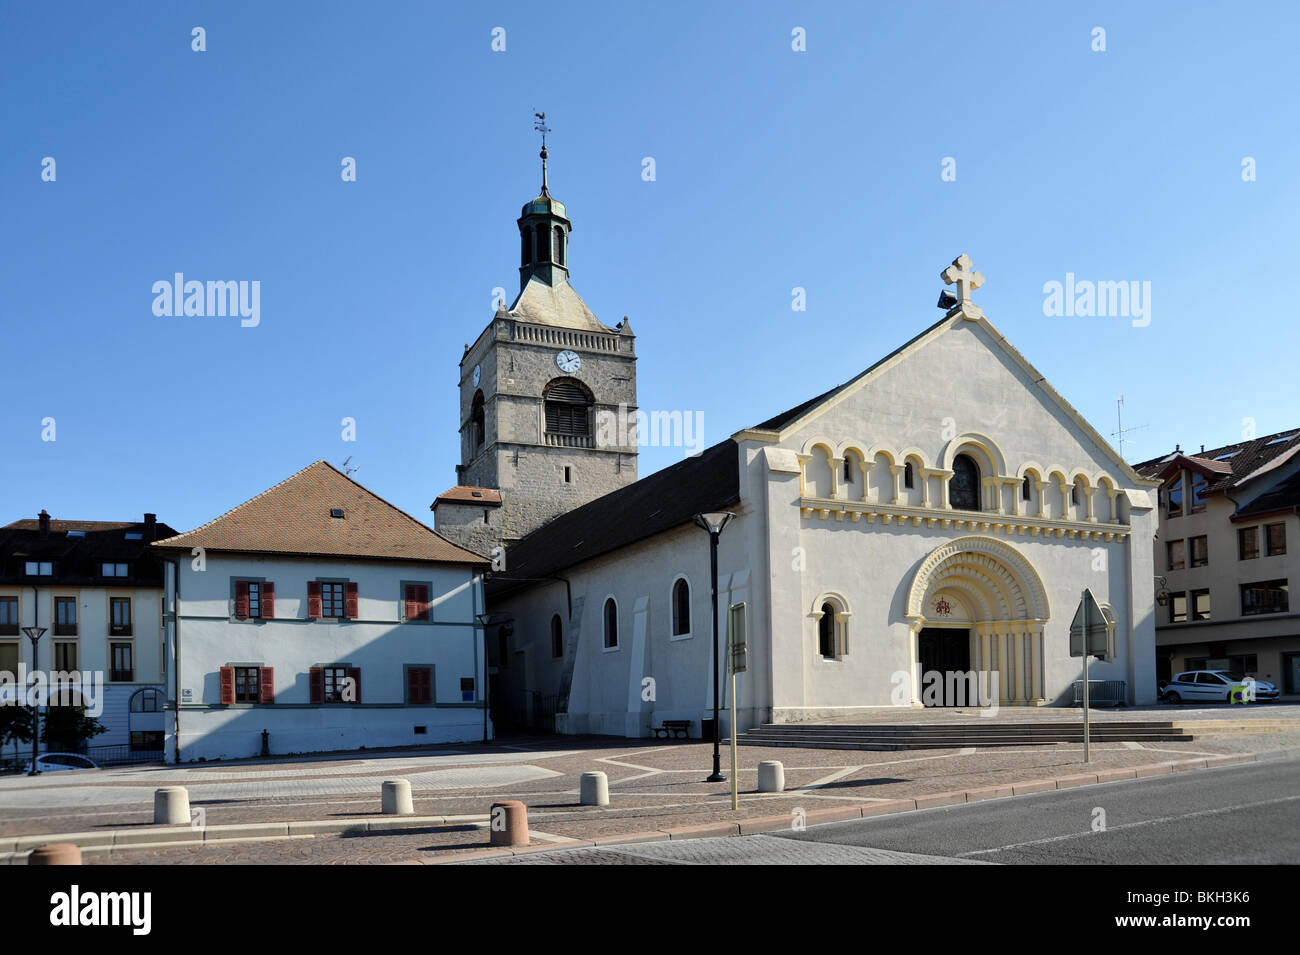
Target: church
(882, 532)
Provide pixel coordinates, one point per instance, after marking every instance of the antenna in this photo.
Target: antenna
(349, 471)
(1120, 430)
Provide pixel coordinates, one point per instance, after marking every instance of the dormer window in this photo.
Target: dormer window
(134, 536)
(114, 570)
(39, 568)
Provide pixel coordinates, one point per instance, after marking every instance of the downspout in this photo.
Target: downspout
(176, 649)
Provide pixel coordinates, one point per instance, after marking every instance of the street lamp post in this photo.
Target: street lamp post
(34, 634)
(714, 522)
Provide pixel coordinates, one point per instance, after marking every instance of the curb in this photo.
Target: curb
(885, 807)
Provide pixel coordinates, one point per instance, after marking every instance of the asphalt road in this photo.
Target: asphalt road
(1246, 813)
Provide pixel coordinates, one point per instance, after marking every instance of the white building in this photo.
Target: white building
(321, 614)
(941, 512)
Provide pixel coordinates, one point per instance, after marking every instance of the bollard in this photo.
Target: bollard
(171, 806)
(397, 798)
(595, 789)
(58, 853)
(509, 823)
(771, 776)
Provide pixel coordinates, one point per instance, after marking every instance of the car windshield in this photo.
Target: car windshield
(1229, 675)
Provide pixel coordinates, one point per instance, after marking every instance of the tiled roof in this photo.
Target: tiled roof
(470, 495)
(660, 502)
(77, 559)
(1235, 463)
(293, 517)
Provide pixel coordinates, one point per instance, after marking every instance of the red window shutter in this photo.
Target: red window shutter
(355, 673)
(227, 684)
(241, 599)
(410, 610)
(267, 675)
(268, 601)
(351, 601)
(313, 599)
(316, 680)
(422, 602)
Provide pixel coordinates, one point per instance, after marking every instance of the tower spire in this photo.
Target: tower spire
(539, 124)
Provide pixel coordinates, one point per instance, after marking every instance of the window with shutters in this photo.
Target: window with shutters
(248, 684)
(338, 685)
(332, 599)
(419, 685)
(415, 601)
(558, 249)
(568, 407)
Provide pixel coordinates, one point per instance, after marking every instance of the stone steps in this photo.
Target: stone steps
(957, 735)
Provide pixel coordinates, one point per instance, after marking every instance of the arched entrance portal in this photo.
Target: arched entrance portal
(986, 592)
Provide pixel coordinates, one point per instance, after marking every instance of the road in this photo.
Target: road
(1248, 813)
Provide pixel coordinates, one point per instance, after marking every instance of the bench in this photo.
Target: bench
(673, 729)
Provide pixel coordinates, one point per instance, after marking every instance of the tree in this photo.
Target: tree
(15, 725)
(67, 727)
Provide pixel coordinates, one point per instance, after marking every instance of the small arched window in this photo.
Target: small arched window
(476, 421)
(964, 486)
(558, 249)
(681, 607)
(611, 623)
(543, 243)
(1074, 493)
(557, 636)
(826, 631)
(146, 701)
(1026, 492)
(909, 475)
(567, 403)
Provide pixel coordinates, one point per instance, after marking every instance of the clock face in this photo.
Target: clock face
(568, 361)
(478, 372)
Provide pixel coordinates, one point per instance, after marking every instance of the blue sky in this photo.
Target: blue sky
(774, 169)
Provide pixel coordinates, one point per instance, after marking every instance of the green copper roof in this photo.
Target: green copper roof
(545, 205)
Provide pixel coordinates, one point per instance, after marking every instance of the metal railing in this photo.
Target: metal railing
(1102, 693)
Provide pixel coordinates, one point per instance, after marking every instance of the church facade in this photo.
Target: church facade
(885, 533)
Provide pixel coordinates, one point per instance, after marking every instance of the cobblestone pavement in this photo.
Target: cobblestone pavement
(653, 785)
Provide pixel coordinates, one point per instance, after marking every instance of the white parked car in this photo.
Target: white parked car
(1213, 685)
(58, 762)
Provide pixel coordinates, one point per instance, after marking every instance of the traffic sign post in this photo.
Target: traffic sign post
(1087, 637)
(736, 643)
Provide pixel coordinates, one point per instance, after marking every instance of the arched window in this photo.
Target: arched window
(558, 250)
(557, 636)
(543, 243)
(567, 403)
(964, 487)
(147, 700)
(476, 421)
(1026, 492)
(611, 623)
(681, 607)
(909, 475)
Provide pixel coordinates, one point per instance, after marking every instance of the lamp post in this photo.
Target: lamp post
(1162, 594)
(483, 619)
(34, 634)
(714, 522)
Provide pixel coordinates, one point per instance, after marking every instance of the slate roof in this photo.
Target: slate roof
(293, 518)
(560, 306)
(654, 504)
(77, 560)
(1241, 460)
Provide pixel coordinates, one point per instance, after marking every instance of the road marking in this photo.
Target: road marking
(1134, 825)
(827, 780)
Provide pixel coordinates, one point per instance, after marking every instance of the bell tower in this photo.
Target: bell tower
(547, 397)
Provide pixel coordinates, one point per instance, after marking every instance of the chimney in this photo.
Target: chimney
(44, 518)
(150, 526)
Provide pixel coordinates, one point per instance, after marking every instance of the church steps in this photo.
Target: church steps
(952, 736)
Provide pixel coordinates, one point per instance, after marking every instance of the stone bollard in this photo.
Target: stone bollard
(397, 798)
(171, 806)
(509, 823)
(595, 789)
(771, 776)
(58, 853)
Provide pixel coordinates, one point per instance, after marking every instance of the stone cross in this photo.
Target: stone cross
(967, 280)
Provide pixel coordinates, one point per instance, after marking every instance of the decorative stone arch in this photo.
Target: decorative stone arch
(1007, 602)
(986, 446)
(840, 623)
(1032, 472)
(920, 474)
(818, 453)
(1104, 483)
(852, 450)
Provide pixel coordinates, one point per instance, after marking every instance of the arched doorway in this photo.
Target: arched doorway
(983, 593)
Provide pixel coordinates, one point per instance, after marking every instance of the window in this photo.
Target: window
(65, 655)
(120, 616)
(681, 607)
(1026, 491)
(1269, 596)
(9, 657)
(1199, 485)
(1247, 543)
(123, 663)
(1276, 538)
(1200, 550)
(559, 245)
(567, 403)
(543, 235)
(65, 616)
(335, 685)
(848, 469)
(1074, 494)
(9, 616)
(113, 570)
(909, 478)
(337, 513)
(39, 568)
(1178, 607)
(1177, 555)
(1200, 605)
(134, 535)
(331, 600)
(963, 488)
(478, 429)
(1174, 497)
(415, 602)
(568, 477)
(611, 623)
(147, 700)
(826, 631)
(419, 685)
(146, 740)
(557, 637)
(252, 598)
(248, 684)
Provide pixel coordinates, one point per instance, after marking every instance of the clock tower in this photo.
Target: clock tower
(547, 398)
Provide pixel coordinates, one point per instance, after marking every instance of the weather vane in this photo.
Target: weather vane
(539, 124)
